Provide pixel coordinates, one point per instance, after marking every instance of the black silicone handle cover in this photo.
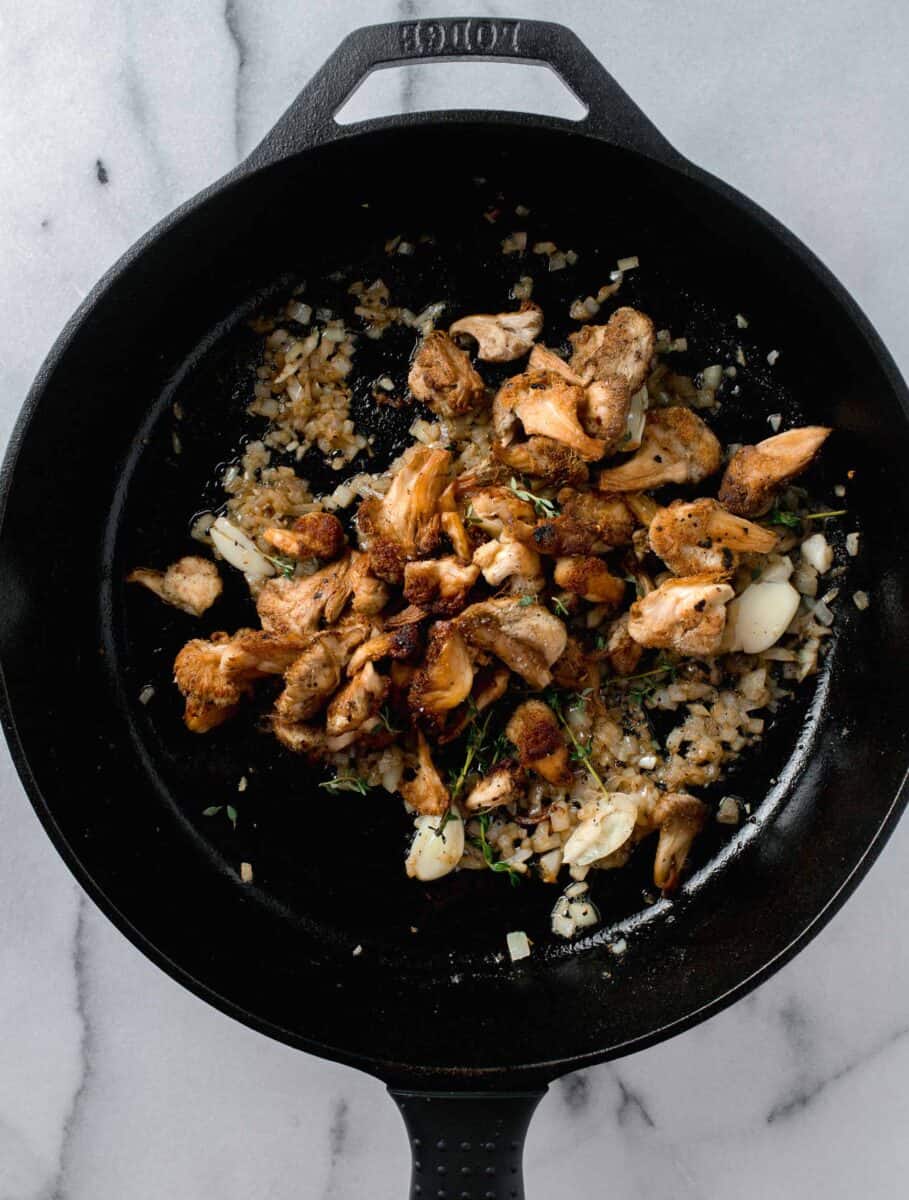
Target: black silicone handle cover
(467, 1145)
(611, 114)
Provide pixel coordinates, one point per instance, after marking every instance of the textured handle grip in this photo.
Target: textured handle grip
(610, 112)
(467, 1145)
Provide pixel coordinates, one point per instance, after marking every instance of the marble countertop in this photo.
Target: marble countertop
(115, 1084)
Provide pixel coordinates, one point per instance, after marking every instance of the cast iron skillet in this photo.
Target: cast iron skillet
(92, 485)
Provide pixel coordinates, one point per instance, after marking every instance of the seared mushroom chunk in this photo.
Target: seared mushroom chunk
(680, 819)
(623, 653)
(591, 579)
(496, 510)
(503, 559)
(613, 360)
(426, 793)
(442, 377)
(191, 584)
(445, 679)
(543, 458)
(405, 524)
(398, 643)
(686, 615)
(527, 638)
(503, 785)
(355, 706)
(216, 673)
(757, 473)
(439, 585)
(677, 447)
(502, 337)
(702, 536)
(544, 403)
(314, 535)
(298, 606)
(316, 674)
(534, 729)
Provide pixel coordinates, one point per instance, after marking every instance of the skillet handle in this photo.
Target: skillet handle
(467, 1144)
(611, 114)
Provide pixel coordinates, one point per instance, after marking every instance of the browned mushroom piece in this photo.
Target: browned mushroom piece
(757, 473)
(589, 578)
(589, 523)
(546, 404)
(701, 536)
(314, 535)
(445, 679)
(574, 671)
(214, 674)
(191, 584)
(298, 606)
(354, 708)
(504, 784)
(426, 793)
(623, 653)
(677, 447)
(686, 615)
(439, 585)
(526, 637)
(405, 524)
(544, 359)
(543, 458)
(680, 818)
(398, 643)
(535, 731)
(442, 377)
(317, 673)
(613, 361)
(496, 510)
(502, 337)
(505, 559)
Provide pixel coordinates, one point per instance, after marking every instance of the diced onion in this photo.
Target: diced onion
(852, 544)
(518, 945)
(741, 321)
(728, 811)
(817, 552)
(860, 600)
(628, 264)
(712, 376)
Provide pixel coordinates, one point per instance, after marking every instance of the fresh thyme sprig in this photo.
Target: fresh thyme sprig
(494, 864)
(384, 719)
(581, 751)
(837, 512)
(541, 506)
(346, 783)
(283, 563)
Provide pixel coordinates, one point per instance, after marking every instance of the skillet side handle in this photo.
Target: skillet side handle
(467, 1143)
(611, 114)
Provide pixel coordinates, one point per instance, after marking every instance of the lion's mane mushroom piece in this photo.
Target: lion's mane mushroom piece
(677, 447)
(686, 615)
(502, 337)
(680, 818)
(442, 377)
(756, 474)
(535, 731)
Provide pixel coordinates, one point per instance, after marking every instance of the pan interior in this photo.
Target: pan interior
(173, 330)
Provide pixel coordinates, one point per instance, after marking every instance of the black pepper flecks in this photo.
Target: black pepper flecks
(101, 171)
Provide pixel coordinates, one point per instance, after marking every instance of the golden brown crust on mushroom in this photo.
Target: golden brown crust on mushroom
(573, 670)
(701, 536)
(527, 638)
(623, 653)
(757, 473)
(405, 524)
(446, 677)
(504, 784)
(545, 404)
(677, 447)
(314, 535)
(535, 731)
(590, 578)
(439, 585)
(298, 606)
(316, 674)
(543, 458)
(613, 360)
(680, 818)
(426, 793)
(442, 377)
(686, 615)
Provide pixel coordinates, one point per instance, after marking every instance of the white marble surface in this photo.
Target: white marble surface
(117, 1085)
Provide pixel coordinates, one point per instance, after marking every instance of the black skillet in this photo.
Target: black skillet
(93, 484)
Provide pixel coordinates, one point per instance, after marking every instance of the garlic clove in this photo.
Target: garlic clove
(436, 849)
